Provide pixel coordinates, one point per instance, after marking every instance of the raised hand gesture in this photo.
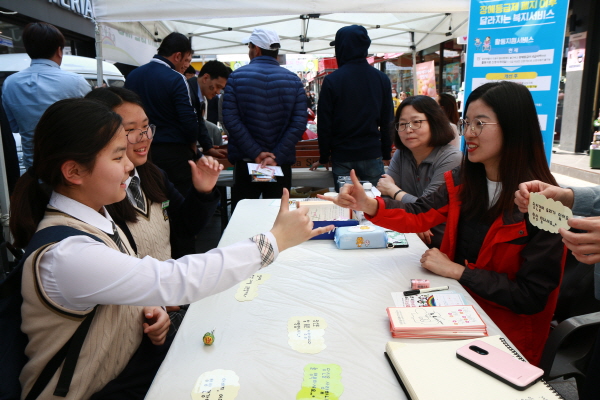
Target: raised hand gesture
(205, 173)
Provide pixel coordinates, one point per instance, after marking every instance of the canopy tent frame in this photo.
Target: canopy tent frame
(304, 36)
(304, 28)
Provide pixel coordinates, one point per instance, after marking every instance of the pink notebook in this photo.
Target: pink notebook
(447, 322)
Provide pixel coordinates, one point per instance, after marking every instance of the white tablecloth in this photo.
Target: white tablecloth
(350, 289)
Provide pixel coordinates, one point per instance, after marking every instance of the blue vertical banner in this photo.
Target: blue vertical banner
(519, 41)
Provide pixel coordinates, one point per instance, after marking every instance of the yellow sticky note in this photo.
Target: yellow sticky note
(321, 381)
(248, 289)
(219, 384)
(306, 334)
(548, 214)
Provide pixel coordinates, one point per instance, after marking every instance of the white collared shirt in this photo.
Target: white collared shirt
(80, 272)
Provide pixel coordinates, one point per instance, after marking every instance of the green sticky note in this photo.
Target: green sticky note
(321, 381)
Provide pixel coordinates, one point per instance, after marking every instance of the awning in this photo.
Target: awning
(218, 27)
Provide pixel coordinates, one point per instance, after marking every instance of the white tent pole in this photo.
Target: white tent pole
(242, 28)
(100, 73)
(435, 27)
(387, 26)
(414, 66)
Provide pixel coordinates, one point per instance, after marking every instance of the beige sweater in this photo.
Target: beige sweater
(151, 231)
(115, 334)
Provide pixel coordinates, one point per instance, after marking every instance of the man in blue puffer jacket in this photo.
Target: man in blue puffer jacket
(264, 112)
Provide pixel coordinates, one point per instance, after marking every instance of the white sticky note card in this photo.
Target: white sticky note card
(219, 384)
(248, 289)
(306, 334)
(548, 214)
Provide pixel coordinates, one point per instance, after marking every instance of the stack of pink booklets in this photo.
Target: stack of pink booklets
(448, 322)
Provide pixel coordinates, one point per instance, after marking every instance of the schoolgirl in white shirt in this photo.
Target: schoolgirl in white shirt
(80, 165)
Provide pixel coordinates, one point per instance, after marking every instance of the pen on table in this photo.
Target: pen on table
(419, 291)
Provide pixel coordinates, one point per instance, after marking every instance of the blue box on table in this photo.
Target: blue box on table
(331, 234)
(360, 237)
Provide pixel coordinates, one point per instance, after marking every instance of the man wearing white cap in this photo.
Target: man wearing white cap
(264, 112)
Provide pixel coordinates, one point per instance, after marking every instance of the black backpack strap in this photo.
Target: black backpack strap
(72, 356)
(69, 353)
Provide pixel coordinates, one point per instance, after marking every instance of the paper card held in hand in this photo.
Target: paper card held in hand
(268, 170)
(548, 214)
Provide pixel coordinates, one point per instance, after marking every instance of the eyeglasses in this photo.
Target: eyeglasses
(476, 126)
(137, 135)
(416, 124)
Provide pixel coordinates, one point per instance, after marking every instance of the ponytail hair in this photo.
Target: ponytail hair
(70, 130)
(152, 178)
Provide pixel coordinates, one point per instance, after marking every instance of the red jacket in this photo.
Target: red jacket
(518, 270)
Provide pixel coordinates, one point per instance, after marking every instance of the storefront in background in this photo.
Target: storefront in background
(579, 95)
(73, 18)
(439, 70)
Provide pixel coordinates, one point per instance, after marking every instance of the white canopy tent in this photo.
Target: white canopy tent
(217, 27)
(312, 33)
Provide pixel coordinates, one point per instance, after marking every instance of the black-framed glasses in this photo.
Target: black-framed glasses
(476, 126)
(137, 135)
(416, 124)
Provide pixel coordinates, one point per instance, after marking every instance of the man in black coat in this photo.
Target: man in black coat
(355, 111)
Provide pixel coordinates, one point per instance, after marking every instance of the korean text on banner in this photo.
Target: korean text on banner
(520, 41)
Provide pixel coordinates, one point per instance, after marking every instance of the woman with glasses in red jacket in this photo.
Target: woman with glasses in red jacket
(511, 268)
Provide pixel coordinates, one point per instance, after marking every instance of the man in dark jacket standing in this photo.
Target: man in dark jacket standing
(355, 111)
(264, 112)
(166, 97)
(167, 102)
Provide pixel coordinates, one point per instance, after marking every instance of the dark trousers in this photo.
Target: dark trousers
(366, 170)
(244, 188)
(135, 380)
(173, 159)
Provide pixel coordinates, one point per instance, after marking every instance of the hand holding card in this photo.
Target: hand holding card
(548, 214)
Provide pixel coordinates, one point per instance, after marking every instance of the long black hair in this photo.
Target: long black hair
(522, 157)
(70, 130)
(151, 178)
